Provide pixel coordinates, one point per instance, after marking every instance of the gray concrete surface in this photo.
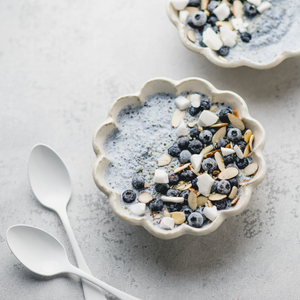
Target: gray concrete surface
(62, 63)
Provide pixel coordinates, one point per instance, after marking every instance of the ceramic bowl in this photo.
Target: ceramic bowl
(163, 85)
(276, 52)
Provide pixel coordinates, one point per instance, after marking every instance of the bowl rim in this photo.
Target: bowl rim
(102, 161)
(211, 55)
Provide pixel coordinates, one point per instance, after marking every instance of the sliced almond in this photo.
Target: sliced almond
(146, 185)
(247, 135)
(192, 124)
(219, 125)
(184, 186)
(224, 23)
(251, 142)
(238, 151)
(237, 9)
(207, 13)
(207, 149)
(208, 204)
(235, 112)
(204, 4)
(192, 10)
(164, 160)
(166, 213)
(220, 161)
(191, 36)
(236, 122)
(177, 117)
(247, 150)
(179, 169)
(212, 109)
(216, 197)
(251, 169)
(233, 192)
(219, 135)
(201, 200)
(192, 199)
(178, 216)
(145, 197)
(157, 216)
(228, 173)
(233, 202)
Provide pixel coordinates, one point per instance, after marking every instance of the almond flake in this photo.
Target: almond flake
(164, 160)
(207, 149)
(216, 197)
(233, 202)
(201, 200)
(224, 23)
(192, 199)
(157, 216)
(146, 185)
(207, 13)
(212, 109)
(177, 117)
(204, 4)
(191, 36)
(236, 122)
(166, 213)
(219, 135)
(235, 112)
(247, 150)
(179, 217)
(220, 161)
(237, 9)
(233, 192)
(247, 135)
(179, 169)
(251, 169)
(251, 142)
(192, 10)
(219, 125)
(208, 204)
(228, 173)
(145, 197)
(192, 124)
(238, 151)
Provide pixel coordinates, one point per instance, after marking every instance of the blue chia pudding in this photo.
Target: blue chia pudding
(179, 159)
(258, 30)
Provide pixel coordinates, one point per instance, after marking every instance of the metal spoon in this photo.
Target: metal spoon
(43, 254)
(50, 182)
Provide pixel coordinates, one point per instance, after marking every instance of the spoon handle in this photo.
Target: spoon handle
(121, 295)
(90, 291)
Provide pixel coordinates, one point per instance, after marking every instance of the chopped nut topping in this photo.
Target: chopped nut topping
(177, 117)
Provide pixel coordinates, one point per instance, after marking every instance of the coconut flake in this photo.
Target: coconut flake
(161, 176)
(238, 151)
(228, 36)
(207, 118)
(205, 183)
(255, 2)
(172, 199)
(264, 6)
(196, 160)
(222, 11)
(238, 24)
(211, 39)
(138, 209)
(183, 16)
(210, 212)
(167, 223)
(182, 129)
(195, 100)
(227, 151)
(182, 103)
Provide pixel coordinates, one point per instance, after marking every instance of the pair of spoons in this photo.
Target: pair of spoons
(38, 250)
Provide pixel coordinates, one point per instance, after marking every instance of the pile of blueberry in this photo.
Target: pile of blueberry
(183, 149)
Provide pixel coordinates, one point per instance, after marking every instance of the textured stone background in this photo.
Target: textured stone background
(62, 64)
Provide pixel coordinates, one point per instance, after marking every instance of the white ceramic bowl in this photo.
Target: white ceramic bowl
(163, 85)
(214, 58)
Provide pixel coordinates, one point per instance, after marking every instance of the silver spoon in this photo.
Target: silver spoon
(43, 254)
(50, 182)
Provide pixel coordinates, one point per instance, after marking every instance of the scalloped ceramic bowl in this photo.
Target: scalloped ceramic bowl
(273, 57)
(163, 85)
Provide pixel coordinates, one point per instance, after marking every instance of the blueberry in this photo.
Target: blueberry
(195, 147)
(156, 205)
(173, 193)
(245, 36)
(194, 110)
(200, 211)
(183, 142)
(190, 23)
(201, 43)
(242, 145)
(216, 29)
(234, 135)
(187, 175)
(194, 3)
(223, 51)
(185, 195)
(199, 18)
(174, 151)
(185, 156)
(162, 188)
(194, 133)
(242, 163)
(173, 206)
(212, 20)
(138, 182)
(195, 184)
(128, 196)
(205, 104)
(212, 5)
(212, 130)
(222, 143)
(228, 159)
(250, 10)
(209, 165)
(187, 211)
(223, 115)
(205, 136)
(195, 219)
(173, 179)
(222, 204)
(234, 182)
(224, 187)
(214, 188)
